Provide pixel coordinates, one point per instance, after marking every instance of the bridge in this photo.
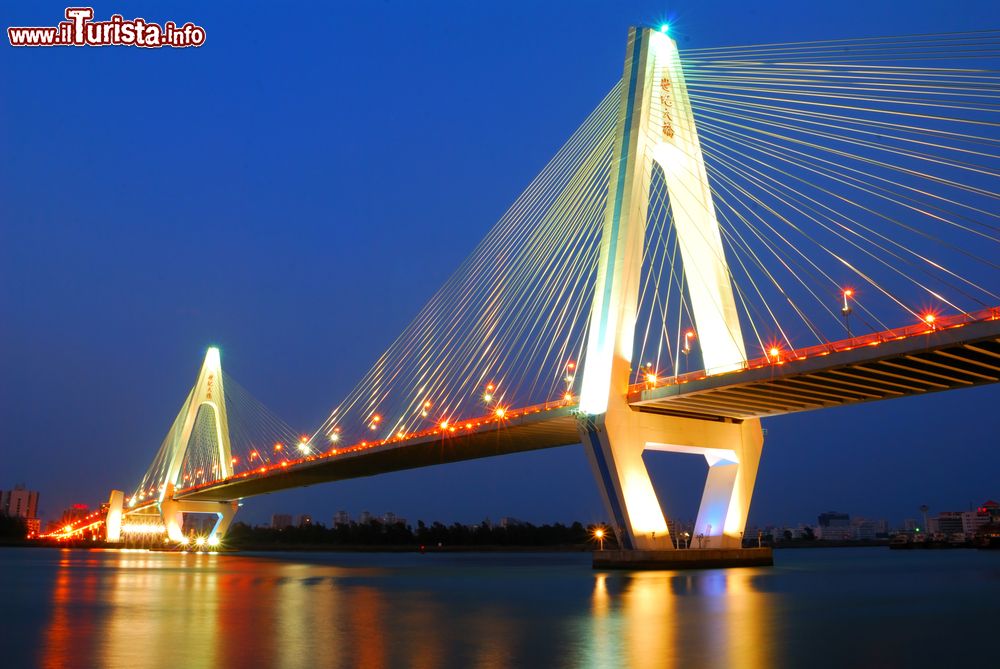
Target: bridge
(744, 233)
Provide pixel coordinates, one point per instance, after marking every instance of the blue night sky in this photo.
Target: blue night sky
(297, 188)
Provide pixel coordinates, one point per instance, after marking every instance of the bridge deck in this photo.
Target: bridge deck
(526, 432)
(955, 353)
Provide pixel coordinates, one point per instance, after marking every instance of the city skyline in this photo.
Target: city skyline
(262, 516)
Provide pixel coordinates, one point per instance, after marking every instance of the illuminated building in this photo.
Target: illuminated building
(973, 521)
(19, 502)
(946, 522)
(73, 513)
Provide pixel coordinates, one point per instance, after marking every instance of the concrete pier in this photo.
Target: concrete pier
(691, 558)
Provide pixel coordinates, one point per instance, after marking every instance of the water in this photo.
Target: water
(865, 607)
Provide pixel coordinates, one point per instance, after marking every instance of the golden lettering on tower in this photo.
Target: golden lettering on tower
(666, 102)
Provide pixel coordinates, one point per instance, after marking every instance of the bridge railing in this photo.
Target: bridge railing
(776, 356)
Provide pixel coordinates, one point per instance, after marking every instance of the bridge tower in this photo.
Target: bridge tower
(656, 124)
(208, 394)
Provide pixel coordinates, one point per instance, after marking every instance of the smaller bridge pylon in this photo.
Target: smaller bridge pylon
(207, 395)
(198, 439)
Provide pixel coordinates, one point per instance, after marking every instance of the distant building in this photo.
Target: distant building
(341, 518)
(792, 532)
(834, 519)
(19, 502)
(73, 513)
(389, 518)
(280, 521)
(835, 526)
(946, 522)
(365, 517)
(507, 521)
(973, 521)
(968, 523)
(836, 533)
(910, 525)
(992, 509)
(305, 519)
(869, 530)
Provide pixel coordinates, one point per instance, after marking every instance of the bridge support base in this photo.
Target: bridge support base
(173, 512)
(695, 558)
(113, 522)
(615, 442)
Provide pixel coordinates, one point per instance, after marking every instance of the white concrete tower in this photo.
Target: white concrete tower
(655, 123)
(208, 394)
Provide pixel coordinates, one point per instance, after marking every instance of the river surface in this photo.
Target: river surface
(864, 607)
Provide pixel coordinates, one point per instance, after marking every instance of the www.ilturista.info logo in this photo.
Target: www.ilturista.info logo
(81, 30)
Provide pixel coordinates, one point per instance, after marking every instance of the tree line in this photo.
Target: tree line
(12, 527)
(377, 533)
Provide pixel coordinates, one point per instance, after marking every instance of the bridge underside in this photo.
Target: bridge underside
(957, 357)
(548, 429)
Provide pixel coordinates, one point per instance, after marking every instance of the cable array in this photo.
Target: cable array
(855, 183)
(507, 327)
(153, 482)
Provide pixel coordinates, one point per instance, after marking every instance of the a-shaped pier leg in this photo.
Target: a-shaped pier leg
(615, 443)
(172, 511)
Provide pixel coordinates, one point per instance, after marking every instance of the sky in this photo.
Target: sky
(294, 190)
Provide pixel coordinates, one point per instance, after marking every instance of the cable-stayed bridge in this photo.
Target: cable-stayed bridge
(729, 235)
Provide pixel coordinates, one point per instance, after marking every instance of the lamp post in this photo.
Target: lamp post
(688, 336)
(846, 310)
(599, 535)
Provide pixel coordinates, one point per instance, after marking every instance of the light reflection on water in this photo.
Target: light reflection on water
(663, 619)
(824, 608)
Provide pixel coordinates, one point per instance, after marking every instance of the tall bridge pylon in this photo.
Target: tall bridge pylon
(656, 125)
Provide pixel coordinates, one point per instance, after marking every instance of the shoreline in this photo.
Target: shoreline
(406, 548)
